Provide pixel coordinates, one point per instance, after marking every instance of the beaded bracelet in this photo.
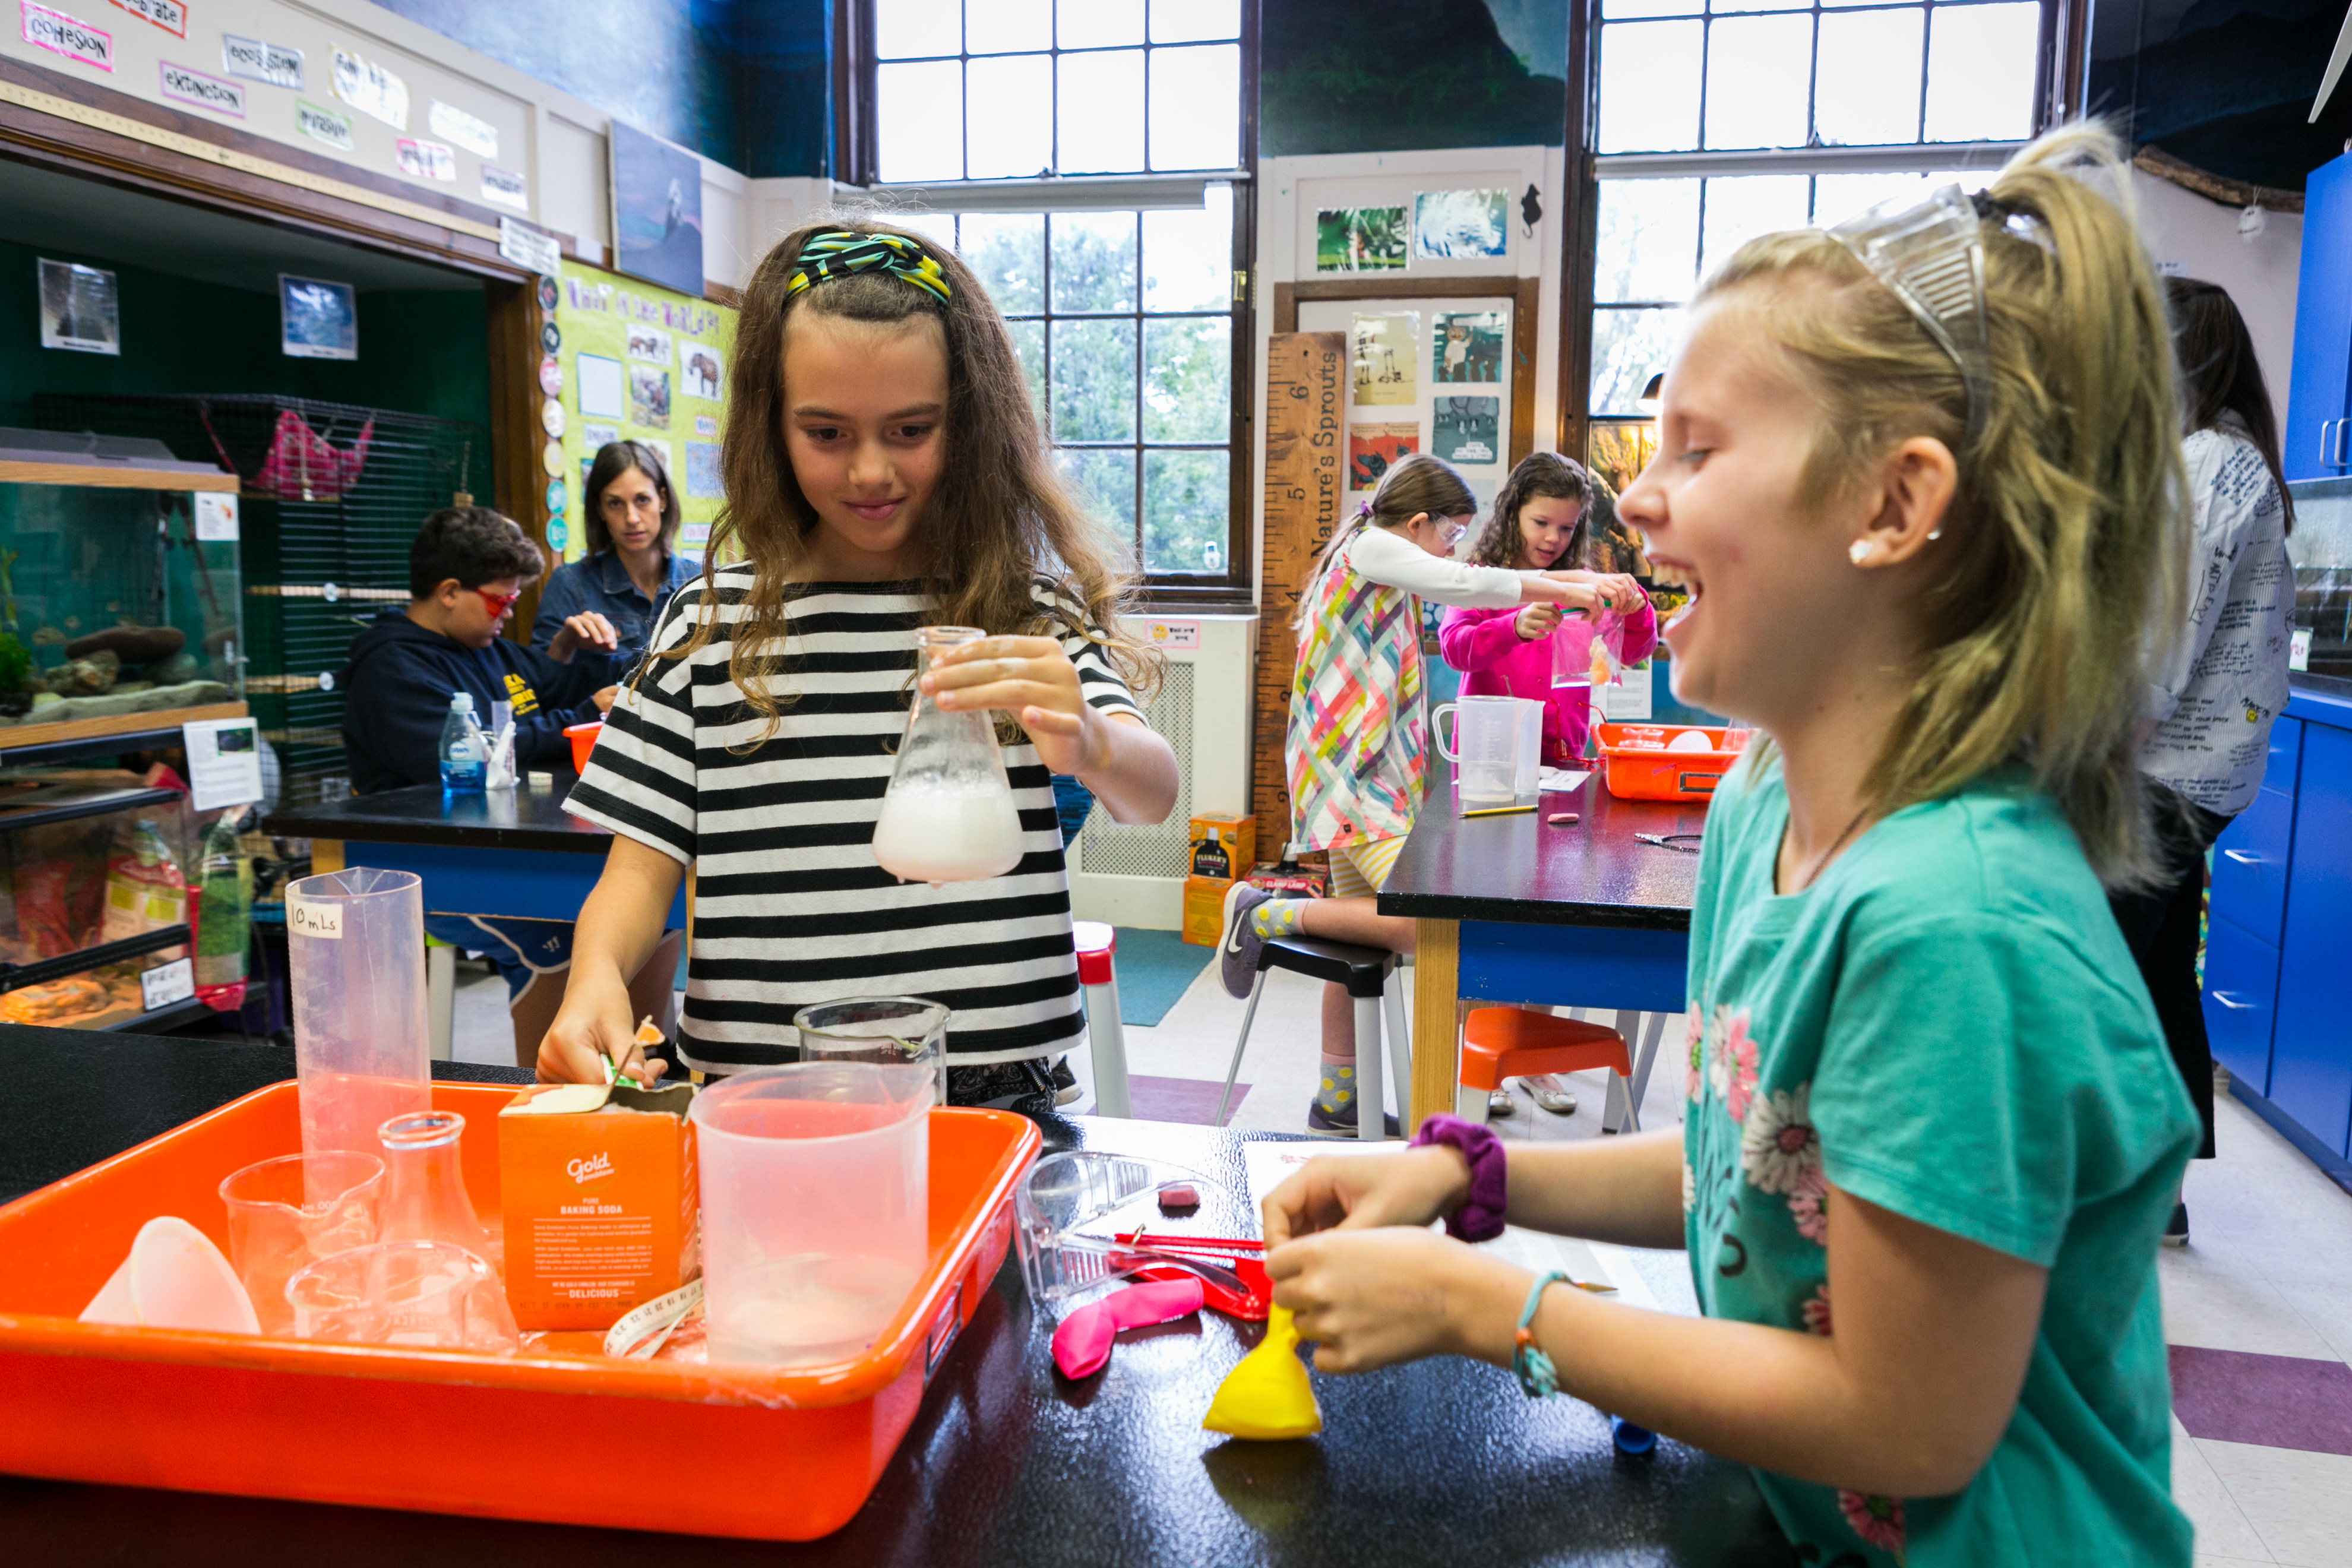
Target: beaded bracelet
(1538, 1379)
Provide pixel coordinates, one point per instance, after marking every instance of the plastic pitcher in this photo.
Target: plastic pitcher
(285, 1213)
(948, 816)
(889, 1031)
(815, 1207)
(361, 1050)
(423, 1294)
(1483, 748)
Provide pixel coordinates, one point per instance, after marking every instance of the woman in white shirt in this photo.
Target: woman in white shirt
(2212, 701)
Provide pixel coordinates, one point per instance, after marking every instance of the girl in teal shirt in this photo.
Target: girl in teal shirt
(1931, 1133)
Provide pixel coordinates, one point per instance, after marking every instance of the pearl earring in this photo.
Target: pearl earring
(1858, 552)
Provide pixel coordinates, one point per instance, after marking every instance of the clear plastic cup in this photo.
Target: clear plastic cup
(361, 1050)
(888, 1031)
(815, 1207)
(426, 1294)
(285, 1213)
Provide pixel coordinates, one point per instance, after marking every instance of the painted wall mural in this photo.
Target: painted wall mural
(2225, 85)
(1364, 76)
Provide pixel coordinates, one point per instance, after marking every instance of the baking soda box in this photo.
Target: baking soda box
(599, 1190)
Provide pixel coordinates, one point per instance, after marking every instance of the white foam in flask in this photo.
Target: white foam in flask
(948, 816)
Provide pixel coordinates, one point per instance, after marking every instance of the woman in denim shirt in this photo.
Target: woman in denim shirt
(630, 570)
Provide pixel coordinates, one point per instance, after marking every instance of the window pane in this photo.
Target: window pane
(1029, 342)
(1102, 112)
(1006, 26)
(1188, 256)
(920, 113)
(1094, 381)
(1739, 209)
(1629, 347)
(1196, 95)
(1188, 379)
(1648, 243)
(1619, 10)
(1106, 485)
(1756, 72)
(1187, 499)
(1009, 117)
(1096, 24)
(1093, 261)
(1182, 21)
(1867, 93)
(1649, 86)
(1728, 8)
(1007, 251)
(1981, 62)
(1837, 198)
(938, 228)
(904, 28)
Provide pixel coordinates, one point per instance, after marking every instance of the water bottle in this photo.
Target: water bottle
(463, 750)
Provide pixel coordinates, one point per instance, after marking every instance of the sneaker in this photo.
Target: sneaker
(1239, 948)
(2176, 1231)
(1065, 1083)
(1341, 1123)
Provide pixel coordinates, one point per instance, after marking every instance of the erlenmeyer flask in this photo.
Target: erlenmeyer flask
(948, 816)
(424, 1196)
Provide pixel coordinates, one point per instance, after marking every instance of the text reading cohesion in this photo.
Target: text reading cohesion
(67, 35)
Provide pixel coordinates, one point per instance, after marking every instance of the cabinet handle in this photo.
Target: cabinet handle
(2327, 447)
(2343, 428)
(2241, 857)
(2224, 998)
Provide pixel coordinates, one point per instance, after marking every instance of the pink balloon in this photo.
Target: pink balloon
(1082, 1344)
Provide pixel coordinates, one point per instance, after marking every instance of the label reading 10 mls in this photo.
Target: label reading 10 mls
(166, 984)
(305, 918)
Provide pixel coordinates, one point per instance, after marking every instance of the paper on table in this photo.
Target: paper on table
(1559, 780)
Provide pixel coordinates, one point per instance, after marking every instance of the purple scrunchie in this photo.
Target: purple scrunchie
(1480, 1217)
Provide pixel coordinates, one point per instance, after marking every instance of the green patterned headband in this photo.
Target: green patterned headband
(837, 253)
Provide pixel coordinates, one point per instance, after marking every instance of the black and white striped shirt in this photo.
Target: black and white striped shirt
(790, 907)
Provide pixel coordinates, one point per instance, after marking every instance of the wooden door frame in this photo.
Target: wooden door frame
(1526, 295)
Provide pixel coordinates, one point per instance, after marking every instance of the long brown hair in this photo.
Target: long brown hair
(2062, 544)
(1540, 476)
(615, 458)
(2219, 371)
(1000, 520)
(1418, 483)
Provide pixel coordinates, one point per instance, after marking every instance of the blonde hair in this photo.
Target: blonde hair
(1418, 483)
(2062, 546)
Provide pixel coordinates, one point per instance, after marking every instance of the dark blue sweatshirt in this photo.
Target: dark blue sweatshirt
(396, 698)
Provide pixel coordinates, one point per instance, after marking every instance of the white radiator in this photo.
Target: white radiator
(1135, 876)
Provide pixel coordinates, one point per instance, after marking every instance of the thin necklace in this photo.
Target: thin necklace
(1821, 859)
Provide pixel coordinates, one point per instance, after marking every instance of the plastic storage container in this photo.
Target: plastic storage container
(355, 943)
(1641, 761)
(774, 1455)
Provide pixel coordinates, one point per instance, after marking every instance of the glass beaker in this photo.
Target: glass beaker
(815, 1207)
(1483, 748)
(426, 1294)
(888, 1031)
(425, 1186)
(1594, 658)
(356, 958)
(285, 1213)
(948, 816)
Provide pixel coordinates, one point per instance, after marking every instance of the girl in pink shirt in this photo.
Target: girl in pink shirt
(1538, 525)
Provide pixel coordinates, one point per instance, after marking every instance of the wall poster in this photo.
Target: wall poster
(79, 308)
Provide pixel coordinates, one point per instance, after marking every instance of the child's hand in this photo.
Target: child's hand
(1341, 1192)
(594, 1027)
(1592, 590)
(1536, 622)
(1373, 1298)
(1033, 679)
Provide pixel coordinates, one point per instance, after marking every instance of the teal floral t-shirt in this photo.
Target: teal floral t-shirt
(1945, 1023)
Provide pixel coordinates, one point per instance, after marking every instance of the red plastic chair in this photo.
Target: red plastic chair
(1518, 1042)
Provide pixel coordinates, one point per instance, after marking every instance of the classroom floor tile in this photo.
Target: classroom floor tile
(2300, 1504)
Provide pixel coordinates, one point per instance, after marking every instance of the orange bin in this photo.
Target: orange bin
(548, 1435)
(584, 741)
(1636, 765)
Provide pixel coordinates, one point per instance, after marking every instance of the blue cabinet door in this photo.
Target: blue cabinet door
(2241, 973)
(2311, 1047)
(2316, 437)
(2250, 861)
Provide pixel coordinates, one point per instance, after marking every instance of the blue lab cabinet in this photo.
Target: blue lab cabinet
(2317, 440)
(2278, 940)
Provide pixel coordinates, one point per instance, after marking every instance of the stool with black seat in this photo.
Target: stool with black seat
(1365, 971)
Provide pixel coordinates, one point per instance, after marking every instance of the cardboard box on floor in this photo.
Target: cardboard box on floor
(602, 1197)
(1204, 908)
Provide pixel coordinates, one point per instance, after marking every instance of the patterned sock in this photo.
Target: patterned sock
(1278, 916)
(1338, 1084)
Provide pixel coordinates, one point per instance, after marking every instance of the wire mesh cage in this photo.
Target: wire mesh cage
(333, 496)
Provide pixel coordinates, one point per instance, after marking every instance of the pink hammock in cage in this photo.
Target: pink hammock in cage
(301, 463)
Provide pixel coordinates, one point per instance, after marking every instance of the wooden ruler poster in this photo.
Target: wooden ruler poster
(1306, 453)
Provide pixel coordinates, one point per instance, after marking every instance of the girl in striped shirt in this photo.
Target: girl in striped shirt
(885, 472)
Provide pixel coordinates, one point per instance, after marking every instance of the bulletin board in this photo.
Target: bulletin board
(637, 363)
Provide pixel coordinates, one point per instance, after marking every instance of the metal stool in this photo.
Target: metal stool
(1364, 971)
(1518, 1042)
(1098, 946)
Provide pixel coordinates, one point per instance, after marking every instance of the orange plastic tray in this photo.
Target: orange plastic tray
(774, 1455)
(1636, 765)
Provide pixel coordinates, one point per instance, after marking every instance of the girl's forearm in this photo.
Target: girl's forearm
(622, 921)
(1625, 1190)
(1137, 781)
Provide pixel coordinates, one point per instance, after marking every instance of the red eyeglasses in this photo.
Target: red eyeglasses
(497, 604)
